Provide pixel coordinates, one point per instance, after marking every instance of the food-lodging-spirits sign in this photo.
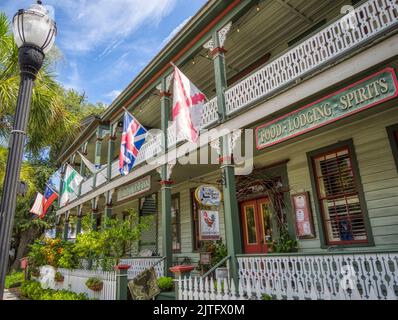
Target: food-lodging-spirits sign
(373, 90)
(134, 189)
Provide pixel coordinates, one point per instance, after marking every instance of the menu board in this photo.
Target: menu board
(303, 216)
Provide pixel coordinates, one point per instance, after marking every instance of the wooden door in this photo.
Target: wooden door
(256, 225)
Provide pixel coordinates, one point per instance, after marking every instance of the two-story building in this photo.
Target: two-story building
(316, 83)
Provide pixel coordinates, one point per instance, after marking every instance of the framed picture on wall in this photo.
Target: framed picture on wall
(301, 206)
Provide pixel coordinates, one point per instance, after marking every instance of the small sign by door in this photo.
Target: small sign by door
(302, 211)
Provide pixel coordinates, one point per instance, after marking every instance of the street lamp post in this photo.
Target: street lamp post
(34, 33)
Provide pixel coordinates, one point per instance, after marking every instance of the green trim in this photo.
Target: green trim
(358, 184)
(393, 142)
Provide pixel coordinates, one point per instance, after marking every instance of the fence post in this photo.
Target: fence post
(121, 282)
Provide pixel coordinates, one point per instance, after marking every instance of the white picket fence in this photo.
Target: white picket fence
(75, 281)
(140, 264)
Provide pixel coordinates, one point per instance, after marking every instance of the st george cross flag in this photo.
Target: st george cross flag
(70, 184)
(49, 197)
(37, 208)
(188, 104)
(133, 137)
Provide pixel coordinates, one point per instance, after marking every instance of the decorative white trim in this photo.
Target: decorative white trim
(170, 167)
(222, 34)
(209, 45)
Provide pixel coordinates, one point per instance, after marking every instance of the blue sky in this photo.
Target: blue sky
(106, 43)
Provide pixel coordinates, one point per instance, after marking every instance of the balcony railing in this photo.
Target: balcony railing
(352, 30)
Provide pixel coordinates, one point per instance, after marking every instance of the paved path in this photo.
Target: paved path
(9, 296)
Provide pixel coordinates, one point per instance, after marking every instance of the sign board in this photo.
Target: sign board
(222, 273)
(205, 258)
(303, 216)
(134, 189)
(209, 226)
(208, 195)
(369, 92)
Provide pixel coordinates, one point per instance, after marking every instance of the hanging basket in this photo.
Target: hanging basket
(94, 284)
(59, 277)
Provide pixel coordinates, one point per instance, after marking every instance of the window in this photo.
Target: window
(197, 244)
(340, 196)
(393, 135)
(175, 223)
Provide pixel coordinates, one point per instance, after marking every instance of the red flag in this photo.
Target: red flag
(188, 104)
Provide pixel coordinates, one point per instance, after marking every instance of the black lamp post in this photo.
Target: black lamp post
(34, 34)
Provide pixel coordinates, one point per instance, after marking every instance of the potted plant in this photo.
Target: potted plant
(166, 286)
(58, 277)
(35, 272)
(94, 284)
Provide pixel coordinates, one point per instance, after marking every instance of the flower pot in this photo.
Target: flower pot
(96, 287)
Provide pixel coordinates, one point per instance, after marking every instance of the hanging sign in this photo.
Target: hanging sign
(369, 92)
(209, 225)
(134, 189)
(303, 216)
(208, 196)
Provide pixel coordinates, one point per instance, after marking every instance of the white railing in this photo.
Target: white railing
(101, 177)
(352, 30)
(367, 276)
(151, 148)
(75, 281)
(209, 114)
(208, 289)
(115, 169)
(140, 264)
(87, 185)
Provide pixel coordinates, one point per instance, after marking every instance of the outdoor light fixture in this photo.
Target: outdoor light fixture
(34, 34)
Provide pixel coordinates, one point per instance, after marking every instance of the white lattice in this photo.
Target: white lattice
(140, 264)
(209, 114)
(371, 18)
(370, 276)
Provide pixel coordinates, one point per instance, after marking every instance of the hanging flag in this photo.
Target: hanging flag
(55, 180)
(37, 208)
(133, 137)
(94, 168)
(70, 184)
(188, 103)
(49, 197)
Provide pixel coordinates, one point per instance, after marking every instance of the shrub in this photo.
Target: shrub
(58, 277)
(94, 284)
(165, 284)
(266, 297)
(14, 279)
(33, 290)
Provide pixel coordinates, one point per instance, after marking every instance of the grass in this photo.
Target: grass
(14, 279)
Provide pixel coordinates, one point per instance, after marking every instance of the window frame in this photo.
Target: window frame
(392, 132)
(178, 224)
(349, 145)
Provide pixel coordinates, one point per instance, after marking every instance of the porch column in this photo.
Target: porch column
(111, 150)
(94, 213)
(108, 207)
(82, 173)
(165, 173)
(79, 219)
(97, 155)
(66, 226)
(231, 212)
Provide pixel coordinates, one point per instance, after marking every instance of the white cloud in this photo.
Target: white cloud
(175, 31)
(106, 22)
(113, 94)
(73, 80)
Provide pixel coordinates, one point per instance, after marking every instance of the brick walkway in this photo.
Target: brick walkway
(9, 296)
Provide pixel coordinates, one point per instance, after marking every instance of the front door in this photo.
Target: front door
(257, 225)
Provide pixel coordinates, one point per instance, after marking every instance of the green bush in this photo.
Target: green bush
(33, 290)
(14, 279)
(94, 284)
(165, 284)
(266, 297)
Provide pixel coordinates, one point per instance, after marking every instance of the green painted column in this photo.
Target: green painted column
(121, 282)
(111, 151)
(79, 220)
(108, 208)
(66, 226)
(167, 242)
(97, 154)
(82, 173)
(231, 211)
(94, 213)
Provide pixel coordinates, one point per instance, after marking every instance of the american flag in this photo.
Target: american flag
(133, 137)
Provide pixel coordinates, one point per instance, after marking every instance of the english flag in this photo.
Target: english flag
(188, 104)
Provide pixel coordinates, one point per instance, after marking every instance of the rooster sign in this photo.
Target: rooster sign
(209, 225)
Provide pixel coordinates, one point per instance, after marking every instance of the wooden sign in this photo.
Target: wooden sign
(369, 92)
(134, 189)
(303, 216)
(208, 196)
(209, 225)
(205, 258)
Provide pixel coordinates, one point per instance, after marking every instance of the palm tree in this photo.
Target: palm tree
(50, 120)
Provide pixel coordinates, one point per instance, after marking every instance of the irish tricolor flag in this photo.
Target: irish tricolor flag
(188, 104)
(70, 184)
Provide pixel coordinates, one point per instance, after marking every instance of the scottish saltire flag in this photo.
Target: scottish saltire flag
(55, 181)
(94, 168)
(49, 197)
(188, 102)
(133, 137)
(70, 184)
(37, 207)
